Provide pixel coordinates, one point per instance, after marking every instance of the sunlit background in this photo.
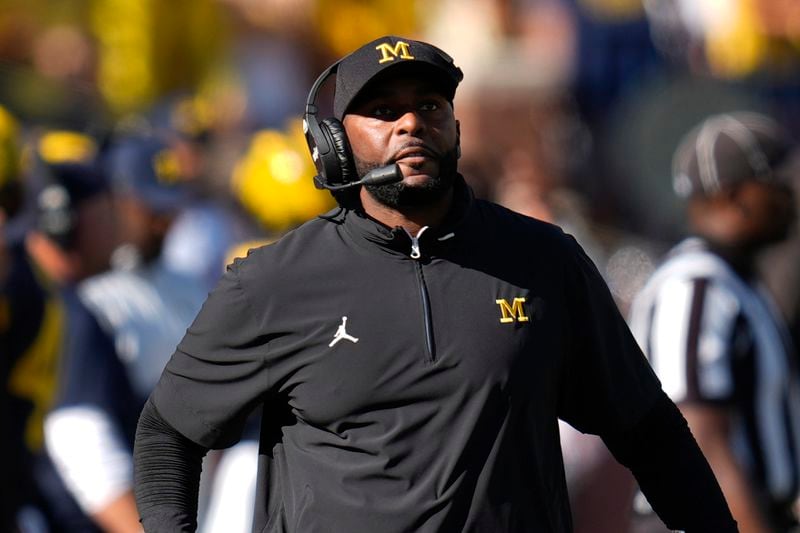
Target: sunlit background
(570, 109)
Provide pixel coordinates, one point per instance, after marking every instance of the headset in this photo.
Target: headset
(327, 141)
(330, 149)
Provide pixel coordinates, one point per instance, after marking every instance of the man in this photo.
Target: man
(712, 333)
(137, 312)
(413, 350)
(64, 234)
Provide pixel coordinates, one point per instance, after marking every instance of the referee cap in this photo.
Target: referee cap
(363, 65)
(729, 148)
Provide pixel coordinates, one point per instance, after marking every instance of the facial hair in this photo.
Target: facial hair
(399, 195)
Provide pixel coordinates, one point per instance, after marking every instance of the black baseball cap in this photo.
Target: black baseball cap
(730, 148)
(82, 181)
(360, 67)
(145, 166)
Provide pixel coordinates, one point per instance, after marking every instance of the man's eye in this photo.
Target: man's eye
(382, 111)
(429, 106)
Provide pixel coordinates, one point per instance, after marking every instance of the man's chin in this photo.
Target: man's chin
(417, 179)
(413, 192)
(421, 186)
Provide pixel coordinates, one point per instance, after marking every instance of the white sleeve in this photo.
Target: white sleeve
(689, 339)
(90, 455)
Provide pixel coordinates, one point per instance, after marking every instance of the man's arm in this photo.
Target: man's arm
(166, 468)
(95, 464)
(711, 428)
(85, 431)
(672, 472)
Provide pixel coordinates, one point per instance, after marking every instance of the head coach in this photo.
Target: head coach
(413, 349)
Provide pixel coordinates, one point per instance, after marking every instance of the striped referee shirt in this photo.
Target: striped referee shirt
(713, 338)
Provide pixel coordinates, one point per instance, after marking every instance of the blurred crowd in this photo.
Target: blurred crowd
(145, 144)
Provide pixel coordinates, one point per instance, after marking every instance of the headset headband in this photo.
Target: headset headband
(316, 140)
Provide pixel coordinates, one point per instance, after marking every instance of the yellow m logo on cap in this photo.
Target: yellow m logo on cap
(390, 53)
(513, 311)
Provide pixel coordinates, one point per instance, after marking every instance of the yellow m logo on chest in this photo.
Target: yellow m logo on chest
(513, 311)
(390, 53)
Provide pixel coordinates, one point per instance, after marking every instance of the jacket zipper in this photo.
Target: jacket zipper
(426, 313)
(430, 347)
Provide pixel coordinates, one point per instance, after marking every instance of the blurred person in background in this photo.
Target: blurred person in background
(137, 310)
(710, 330)
(63, 233)
(211, 222)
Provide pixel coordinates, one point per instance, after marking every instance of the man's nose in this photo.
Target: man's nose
(410, 122)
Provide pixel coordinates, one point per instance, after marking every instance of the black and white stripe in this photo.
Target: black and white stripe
(713, 338)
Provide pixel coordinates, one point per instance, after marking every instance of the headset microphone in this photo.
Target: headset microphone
(378, 176)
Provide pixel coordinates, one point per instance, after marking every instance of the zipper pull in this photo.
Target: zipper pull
(415, 251)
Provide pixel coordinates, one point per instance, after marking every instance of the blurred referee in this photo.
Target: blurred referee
(712, 333)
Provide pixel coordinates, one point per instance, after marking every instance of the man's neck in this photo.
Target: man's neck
(411, 219)
(740, 257)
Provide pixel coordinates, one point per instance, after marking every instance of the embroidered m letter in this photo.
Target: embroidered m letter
(513, 311)
(390, 53)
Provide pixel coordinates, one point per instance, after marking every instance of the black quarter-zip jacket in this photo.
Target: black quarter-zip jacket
(410, 383)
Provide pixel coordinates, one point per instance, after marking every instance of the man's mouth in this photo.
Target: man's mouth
(414, 155)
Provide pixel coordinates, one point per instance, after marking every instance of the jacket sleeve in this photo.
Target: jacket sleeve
(672, 471)
(608, 388)
(167, 469)
(219, 372)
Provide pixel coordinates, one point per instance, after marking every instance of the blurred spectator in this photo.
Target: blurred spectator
(211, 221)
(271, 180)
(712, 333)
(68, 236)
(138, 312)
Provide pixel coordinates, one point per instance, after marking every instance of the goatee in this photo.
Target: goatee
(399, 195)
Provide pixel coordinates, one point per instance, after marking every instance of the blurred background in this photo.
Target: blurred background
(570, 109)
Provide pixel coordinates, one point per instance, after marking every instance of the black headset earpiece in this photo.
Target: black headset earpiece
(327, 141)
(342, 150)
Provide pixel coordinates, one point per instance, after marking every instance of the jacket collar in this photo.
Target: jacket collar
(368, 232)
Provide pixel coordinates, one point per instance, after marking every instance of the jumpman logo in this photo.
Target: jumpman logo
(341, 333)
